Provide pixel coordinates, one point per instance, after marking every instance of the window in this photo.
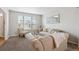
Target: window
(26, 22)
(20, 21)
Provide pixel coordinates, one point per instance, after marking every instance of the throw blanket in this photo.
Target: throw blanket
(59, 37)
(45, 43)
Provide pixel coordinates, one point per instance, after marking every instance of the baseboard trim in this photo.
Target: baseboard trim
(12, 35)
(2, 37)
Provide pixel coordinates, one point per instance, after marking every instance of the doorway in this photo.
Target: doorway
(1, 27)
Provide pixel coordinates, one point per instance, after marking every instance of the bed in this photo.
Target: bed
(57, 40)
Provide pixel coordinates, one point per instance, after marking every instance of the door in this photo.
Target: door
(1, 25)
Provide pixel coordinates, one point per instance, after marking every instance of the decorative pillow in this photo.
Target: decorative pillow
(44, 33)
(52, 31)
(45, 29)
(29, 36)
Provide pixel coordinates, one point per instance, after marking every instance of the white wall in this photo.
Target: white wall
(12, 23)
(69, 20)
(69, 17)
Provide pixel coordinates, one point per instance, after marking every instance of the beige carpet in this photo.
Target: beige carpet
(22, 44)
(16, 44)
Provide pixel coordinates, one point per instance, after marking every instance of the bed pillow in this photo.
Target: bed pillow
(56, 30)
(29, 36)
